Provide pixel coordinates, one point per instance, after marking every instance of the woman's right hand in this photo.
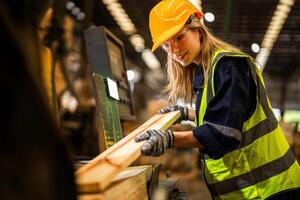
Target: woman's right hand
(184, 111)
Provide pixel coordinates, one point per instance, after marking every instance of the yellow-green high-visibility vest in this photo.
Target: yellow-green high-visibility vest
(263, 164)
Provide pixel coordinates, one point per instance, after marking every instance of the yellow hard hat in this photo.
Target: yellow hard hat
(168, 17)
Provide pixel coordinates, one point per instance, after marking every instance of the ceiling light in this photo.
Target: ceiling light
(255, 47)
(287, 2)
(209, 17)
(137, 42)
(69, 102)
(128, 27)
(283, 8)
(80, 16)
(134, 75)
(70, 5)
(262, 57)
(114, 6)
(130, 75)
(120, 16)
(274, 28)
(75, 10)
(150, 59)
(108, 1)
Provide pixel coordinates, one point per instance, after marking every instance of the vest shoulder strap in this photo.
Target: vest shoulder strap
(217, 55)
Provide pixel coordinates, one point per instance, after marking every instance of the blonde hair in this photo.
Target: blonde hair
(180, 79)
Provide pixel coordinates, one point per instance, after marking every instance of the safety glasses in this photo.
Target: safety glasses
(177, 39)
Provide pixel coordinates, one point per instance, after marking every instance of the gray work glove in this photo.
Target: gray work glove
(184, 111)
(157, 142)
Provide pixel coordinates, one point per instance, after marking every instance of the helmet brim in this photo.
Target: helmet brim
(166, 35)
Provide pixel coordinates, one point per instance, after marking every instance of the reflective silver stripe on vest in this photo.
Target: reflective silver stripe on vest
(228, 131)
(257, 175)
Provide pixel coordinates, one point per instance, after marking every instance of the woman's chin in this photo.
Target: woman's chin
(185, 63)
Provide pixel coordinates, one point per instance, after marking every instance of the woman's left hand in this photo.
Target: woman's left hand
(157, 142)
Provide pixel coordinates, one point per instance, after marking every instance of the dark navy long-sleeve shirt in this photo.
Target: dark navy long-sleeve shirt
(234, 102)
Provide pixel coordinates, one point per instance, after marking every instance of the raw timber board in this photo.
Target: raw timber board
(131, 183)
(99, 173)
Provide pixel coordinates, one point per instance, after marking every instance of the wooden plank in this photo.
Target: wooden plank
(130, 184)
(133, 171)
(99, 173)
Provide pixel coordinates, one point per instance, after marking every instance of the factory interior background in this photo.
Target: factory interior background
(52, 51)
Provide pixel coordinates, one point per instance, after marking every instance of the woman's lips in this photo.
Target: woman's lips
(181, 57)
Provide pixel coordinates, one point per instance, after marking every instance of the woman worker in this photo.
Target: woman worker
(246, 155)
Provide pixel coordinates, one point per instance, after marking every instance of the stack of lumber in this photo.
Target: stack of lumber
(98, 174)
(131, 184)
